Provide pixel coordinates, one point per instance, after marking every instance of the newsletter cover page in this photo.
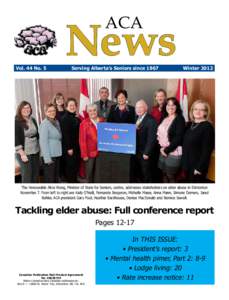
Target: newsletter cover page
(114, 164)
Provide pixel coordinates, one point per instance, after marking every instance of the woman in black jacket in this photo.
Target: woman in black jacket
(26, 143)
(59, 103)
(199, 140)
(121, 112)
(70, 136)
(170, 137)
(115, 167)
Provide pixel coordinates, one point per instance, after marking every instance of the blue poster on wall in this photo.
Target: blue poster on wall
(117, 138)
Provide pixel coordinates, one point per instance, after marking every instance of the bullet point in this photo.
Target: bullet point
(130, 268)
(106, 258)
(124, 249)
(118, 277)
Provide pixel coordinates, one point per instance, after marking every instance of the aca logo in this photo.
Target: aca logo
(36, 40)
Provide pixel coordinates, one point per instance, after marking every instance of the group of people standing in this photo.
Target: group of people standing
(166, 146)
(56, 141)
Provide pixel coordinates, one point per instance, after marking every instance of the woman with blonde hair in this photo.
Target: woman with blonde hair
(59, 103)
(89, 143)
(198, 143)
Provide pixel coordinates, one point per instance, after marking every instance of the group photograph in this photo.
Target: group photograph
(139, 131)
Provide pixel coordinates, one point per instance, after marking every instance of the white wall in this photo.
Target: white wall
(143, 89)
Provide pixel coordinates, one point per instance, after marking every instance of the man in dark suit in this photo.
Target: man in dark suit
(145, 143)
(104, 104)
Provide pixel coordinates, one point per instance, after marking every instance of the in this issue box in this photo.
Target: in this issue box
(155, 257)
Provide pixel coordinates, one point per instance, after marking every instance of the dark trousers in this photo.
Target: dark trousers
(29, 170)
(141, 169)
(155, 171)
(90, 167)
(52, 171)
(72, 166)
(61, 167)
(113, 167)
(191, 178)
